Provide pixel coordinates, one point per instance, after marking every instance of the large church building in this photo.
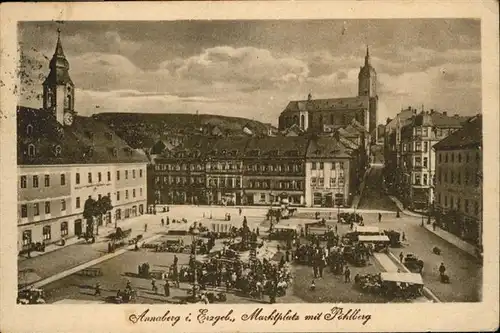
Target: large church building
(327, 115)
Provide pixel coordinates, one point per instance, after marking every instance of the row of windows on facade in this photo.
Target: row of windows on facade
(320, 181)
(249, 167)
(47, 204)
(456, 203)
(418, 162)
(470, 178)
(450, 157)
(321, 165)
(266, 184)
(47, 233)
(417, 147)
(62, 182)
(426, 131)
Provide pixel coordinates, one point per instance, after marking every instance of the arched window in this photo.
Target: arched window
(29, 129)
(70, 100)
(302, 121)
(31, 150)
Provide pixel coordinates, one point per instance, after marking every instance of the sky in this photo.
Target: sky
(254, 68)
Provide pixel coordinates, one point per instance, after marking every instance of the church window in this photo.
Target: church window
(29, 129)
(69, 102)
(302, 121)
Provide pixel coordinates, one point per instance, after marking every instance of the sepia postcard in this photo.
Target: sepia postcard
(286, 166)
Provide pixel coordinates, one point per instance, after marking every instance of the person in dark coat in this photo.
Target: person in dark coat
(347, 275)
(167, 288)
(379, 217)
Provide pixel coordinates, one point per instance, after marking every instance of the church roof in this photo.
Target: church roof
(86, 141)
(329, 104)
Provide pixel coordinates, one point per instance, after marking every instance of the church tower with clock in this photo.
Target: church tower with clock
(58, 88)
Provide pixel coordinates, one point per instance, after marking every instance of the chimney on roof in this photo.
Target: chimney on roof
(455, 115)
(414, 111)
(309, 97)
(445, 113)
(388, 120)
(432, 111)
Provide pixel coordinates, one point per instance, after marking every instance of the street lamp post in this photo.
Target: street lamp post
(194, 233)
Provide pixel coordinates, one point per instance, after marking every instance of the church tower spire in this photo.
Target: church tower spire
(58, 88)
(367, 78)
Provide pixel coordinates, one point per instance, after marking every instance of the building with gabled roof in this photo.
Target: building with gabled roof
(331, 172)
(459, 179)
(326, 115)
(64, 159)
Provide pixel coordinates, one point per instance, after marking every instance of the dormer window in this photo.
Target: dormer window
(29, 129)
(89, 151)
(57, 150)
(31, 150)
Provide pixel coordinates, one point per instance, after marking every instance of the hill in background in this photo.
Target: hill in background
(142, 130)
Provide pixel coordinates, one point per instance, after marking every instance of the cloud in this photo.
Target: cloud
(257, 82)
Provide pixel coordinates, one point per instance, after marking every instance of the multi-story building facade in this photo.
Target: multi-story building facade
(459, 170)
(274, 170)
(63, 159)
(180, 176)
(224, 171)
(392, 146)
(326, 115)
(261, 170)
(418, 161)
(330, 173)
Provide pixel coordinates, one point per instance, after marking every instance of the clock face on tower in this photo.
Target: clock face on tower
(68, 118)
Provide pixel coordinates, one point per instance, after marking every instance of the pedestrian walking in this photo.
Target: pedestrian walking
(176, 260)
(403, 237)
(145, 227)
(379, 217)
(240, 210)
(401, 256)
(347, 275)
(97, 289)
(168, 221)
(336, 229)
(162, 222)
(153, 286)
(442, 269)
(167, 288)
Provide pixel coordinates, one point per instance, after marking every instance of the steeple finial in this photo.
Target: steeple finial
(59, 50)
(367, 56)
